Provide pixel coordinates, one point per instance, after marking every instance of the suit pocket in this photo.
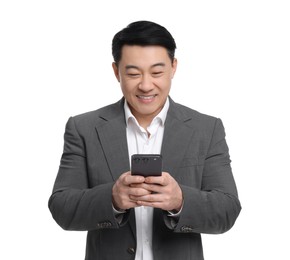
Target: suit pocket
(190, 172)
(192, 161)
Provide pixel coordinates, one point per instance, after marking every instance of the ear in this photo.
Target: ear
(174, 67)
(116, 71)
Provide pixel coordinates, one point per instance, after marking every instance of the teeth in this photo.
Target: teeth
(146, 97)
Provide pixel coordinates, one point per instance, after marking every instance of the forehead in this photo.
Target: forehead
(144, 55)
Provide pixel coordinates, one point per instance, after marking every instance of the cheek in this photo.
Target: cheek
(127, 87)
(164, 84)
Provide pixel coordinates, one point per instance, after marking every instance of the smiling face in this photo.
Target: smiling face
(145, 75)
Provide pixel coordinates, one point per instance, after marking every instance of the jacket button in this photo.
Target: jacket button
(131, 250)
(186, 229)
(104, 224)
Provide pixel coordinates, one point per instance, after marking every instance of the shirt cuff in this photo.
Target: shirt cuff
(119, 214)
(118, 211)
(173, 213)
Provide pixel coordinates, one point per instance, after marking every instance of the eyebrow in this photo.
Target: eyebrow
(136, 67)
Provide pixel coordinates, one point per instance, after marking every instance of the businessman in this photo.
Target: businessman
(134, 217)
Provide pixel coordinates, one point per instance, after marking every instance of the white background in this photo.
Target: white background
(234, 63)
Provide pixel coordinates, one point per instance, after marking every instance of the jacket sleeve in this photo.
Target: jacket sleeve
(74, 204)
(215, 207)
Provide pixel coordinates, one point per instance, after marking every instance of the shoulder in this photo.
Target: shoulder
(202, 124)
(99, 116)
(107, 112)
(191, 116)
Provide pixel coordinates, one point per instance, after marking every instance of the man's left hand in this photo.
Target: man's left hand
(165, 193)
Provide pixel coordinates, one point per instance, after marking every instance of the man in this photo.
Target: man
(136, 217)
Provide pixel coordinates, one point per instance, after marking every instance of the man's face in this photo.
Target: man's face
(145, 75)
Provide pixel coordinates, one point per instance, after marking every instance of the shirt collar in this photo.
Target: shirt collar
(162, 114)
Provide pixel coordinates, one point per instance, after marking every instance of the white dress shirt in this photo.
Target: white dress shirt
(140, 142)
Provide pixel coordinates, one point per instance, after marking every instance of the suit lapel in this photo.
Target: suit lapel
(112, 133)
(177, 135)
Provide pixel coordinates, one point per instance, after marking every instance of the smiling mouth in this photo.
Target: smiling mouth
(146, 97)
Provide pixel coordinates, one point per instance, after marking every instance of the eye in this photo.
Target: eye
(133, 75)
(157, 73)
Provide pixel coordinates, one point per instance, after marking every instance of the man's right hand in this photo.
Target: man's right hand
(122, 191)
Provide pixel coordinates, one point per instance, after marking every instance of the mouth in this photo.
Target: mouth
(145, 98)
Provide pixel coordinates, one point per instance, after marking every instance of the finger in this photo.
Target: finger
(161, 180)
(150, 188)
(142, 185)
(164, 205)
(131, 179)
(138, 192)
(151, 204)
(148, 198)
(129, 204)
(154, 180)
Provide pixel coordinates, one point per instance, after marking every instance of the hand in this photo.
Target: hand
(124, 188)
(163, 192)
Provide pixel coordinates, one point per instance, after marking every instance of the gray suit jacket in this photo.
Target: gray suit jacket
(95, 154)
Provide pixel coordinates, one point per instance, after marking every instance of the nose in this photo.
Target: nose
(146, 84)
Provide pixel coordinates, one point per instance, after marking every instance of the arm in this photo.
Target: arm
(215, 207)
(73, 204)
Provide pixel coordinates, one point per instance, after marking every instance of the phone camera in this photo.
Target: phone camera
(145, 160)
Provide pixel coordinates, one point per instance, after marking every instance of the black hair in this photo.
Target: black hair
(143, 33)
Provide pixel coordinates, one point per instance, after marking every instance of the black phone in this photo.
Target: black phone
(146, 164)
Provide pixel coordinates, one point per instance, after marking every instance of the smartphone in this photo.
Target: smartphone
(146, 164)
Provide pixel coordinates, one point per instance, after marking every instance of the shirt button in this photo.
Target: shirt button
(131, 250)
